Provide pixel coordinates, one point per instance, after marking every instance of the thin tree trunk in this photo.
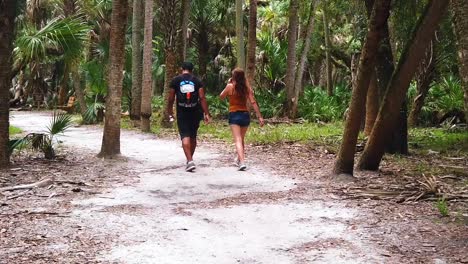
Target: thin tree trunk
(170, 24)
(111, 136)
(423, 82)
(171, 72)
(298, 85)
(327, 51)
(7, 27)
(240, 34)
(460, 21)
(62, 94)
(345, 160)
(372, 105)
(137, 58)
(79, 92)
(184, 29)
(147, 66)
(291, 59)
(398, 86)
(252, 42)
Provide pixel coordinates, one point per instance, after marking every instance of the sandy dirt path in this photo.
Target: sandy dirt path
(170, 216)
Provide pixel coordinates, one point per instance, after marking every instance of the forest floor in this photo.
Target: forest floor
(144, 208)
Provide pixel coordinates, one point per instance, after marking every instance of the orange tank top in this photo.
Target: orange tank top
(237, 103)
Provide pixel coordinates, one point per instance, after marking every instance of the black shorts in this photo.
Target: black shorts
(188, 124)
(239, 118)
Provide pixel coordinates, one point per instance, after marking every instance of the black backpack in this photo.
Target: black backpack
(187, 94)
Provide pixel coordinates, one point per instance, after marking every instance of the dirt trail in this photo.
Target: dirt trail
(170, 216)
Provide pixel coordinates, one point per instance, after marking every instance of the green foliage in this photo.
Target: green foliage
(270, 103)
(442, 206)
(443, 97)
(218, 107)
(14, 130)
(316, 105)
(44, 141)
(65, 35)
(438, 139)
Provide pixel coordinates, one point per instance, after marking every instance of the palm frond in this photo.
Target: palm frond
(59, 123)
(65, 36)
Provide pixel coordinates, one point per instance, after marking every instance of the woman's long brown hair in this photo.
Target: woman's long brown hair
(238, 76)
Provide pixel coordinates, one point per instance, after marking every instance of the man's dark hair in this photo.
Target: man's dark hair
(187, 65)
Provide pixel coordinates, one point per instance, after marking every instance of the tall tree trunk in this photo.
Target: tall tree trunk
(398, 86)
(137, 58)
(62, 94)
(291, 59)
(298, 85)
(182, 45)
(424, 78)
(240, 34)
(147, 66)
(252, 42)
(203, 49)
(79, 91)
(170, 23)
(328, 63)
(460, 21)
(111, 136)
(372, 105)
(7, 26)
(345, 160)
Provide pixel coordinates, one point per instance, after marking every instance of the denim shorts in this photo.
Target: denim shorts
(239, 118)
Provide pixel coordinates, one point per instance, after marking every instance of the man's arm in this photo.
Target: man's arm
(204, 104)
(170, 103)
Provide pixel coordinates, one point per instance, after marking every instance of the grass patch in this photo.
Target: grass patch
(438, 139)
(14, 130)
(324, 134)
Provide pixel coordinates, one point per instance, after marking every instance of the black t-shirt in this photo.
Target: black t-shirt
(176, 85)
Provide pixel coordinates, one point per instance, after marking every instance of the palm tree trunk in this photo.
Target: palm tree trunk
(79, 92)
(137, 58)
(298, 86)
(111, 136)
(372, 105)
(7, 26)
(460, 21)
(169, 20)
(398, 86)
(345, 160)
(252, 42)
(184, 29)
(328, 63)
(147, 66)
(291, 59)
(62, 94)
(240, 34)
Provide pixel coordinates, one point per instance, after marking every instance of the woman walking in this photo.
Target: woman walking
(239, 91)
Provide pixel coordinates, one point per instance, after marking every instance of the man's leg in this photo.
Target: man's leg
(193, 145)
(186, 145)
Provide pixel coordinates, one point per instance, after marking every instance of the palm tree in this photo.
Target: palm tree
(252, 41)
(344, 163)
(111, 136)
(169, 26)
(7, 26)
(396, 91)
(291, 61)
(460, 21)
(147, 70)
(184, 30)
(137, 59)
(240, 34)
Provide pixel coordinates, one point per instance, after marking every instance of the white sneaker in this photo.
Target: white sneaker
(190, 166)
(242, 166)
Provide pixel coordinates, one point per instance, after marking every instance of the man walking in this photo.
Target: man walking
(189, 94)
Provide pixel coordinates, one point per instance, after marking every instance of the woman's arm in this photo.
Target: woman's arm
(253, 102)
(226, 91)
